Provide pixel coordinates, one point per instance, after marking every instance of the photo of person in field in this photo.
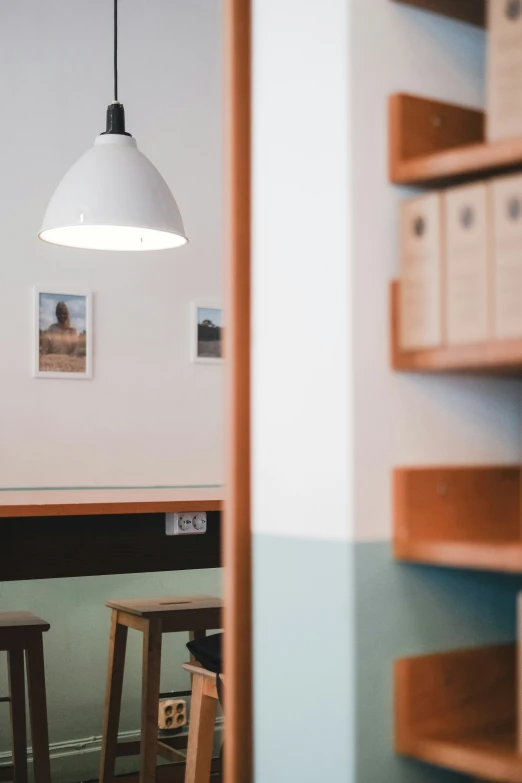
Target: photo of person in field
(63, 333)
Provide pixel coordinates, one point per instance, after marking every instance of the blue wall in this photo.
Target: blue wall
(303, 662)
(330, 619)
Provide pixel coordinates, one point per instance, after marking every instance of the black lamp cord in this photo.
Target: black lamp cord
(115, 110)
(116, 51)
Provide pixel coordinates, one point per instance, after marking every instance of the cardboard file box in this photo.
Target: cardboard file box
(468, 278)
(506, 208)
(420, 292)
(504, 70)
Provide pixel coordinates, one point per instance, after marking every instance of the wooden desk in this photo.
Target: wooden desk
(89, 532)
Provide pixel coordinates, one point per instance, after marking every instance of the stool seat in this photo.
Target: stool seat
(22, 620)
(155, 607)
(19, 628)
(187, 613)
(197, 668)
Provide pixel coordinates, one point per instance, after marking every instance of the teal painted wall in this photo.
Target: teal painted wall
(303, 665)
(404, 610)
(330, 619)
(76, 656)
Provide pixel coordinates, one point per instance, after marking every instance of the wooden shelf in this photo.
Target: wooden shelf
(471, 11)
(435, 143)
(458, 710)
(459, 517)
(80, 502)
(484, 556)
(497, 357)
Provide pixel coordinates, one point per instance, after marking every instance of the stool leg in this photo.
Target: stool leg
(193, 635)
(15, 662)
(150, 700)
(38, 709)
(111, 717)
(201, 734)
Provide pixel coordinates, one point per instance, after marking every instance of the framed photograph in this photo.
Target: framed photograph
(62, 333)
(207, 333)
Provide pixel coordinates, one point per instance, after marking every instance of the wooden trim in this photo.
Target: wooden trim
(437, 143)
(470, 11)
(82, 502)
(495, 357)
(237, 536)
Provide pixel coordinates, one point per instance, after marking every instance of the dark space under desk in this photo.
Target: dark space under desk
(46, 534)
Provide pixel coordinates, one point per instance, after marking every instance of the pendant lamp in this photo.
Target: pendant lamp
(113, 198)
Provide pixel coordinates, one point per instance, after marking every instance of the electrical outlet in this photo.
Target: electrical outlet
(172, 714)
(194, 523)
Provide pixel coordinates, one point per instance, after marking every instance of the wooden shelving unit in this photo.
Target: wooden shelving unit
(459, 710)
(459, 517)
(471, 11)
(436, 143)
(499, 357)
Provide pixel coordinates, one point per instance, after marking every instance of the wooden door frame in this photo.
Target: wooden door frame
(237, 532)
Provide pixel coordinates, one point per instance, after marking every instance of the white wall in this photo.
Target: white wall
(327, 410)
(149, 416)
(301, 242)
(408, 419)
(301, 414)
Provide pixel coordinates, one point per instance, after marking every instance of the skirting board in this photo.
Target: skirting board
(79, 759)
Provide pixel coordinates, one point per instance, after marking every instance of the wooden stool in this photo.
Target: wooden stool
(153, 617)
(202, 723)
(23, 632)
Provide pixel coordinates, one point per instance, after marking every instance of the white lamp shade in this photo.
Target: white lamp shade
(113, 198)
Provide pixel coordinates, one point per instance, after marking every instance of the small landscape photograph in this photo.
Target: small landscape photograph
(209, 334)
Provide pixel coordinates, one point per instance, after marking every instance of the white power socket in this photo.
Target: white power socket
(186, 524)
